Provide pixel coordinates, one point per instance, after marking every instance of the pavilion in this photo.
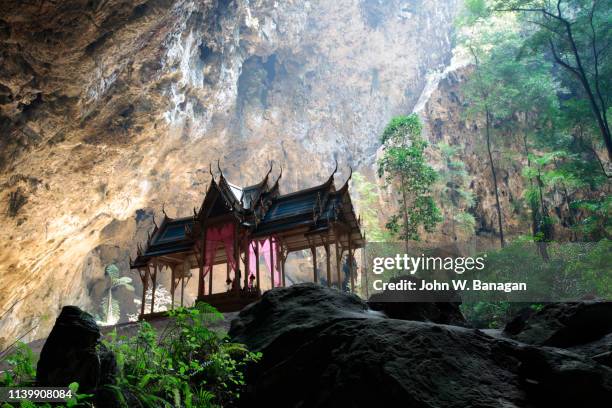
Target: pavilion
(238, 226)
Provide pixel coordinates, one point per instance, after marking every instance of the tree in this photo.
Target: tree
(115, 281)
(404, 163)
(530, 97)
(577, 35)
(455, 194)
(366, 202)
(482, 94)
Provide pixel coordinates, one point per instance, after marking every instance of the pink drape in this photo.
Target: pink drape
(216, 236)
(264, 249)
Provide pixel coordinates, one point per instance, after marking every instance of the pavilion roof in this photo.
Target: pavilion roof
(261, 208)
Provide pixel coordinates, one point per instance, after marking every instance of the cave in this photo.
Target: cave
(311, 204)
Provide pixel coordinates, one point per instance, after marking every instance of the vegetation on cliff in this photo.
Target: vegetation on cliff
(542, 79)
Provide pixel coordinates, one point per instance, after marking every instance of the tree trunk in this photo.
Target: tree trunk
(499, 215)
(579, 71)
(534, 220)
(405, 213)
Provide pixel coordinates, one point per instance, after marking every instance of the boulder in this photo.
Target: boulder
(563, 324)
(324, 348)
(73, 353)
(421, 305)
(69, 354)
(599, 350)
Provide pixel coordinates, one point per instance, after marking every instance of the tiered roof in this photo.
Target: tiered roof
(301, 219)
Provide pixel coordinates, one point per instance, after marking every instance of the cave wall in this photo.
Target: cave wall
(111, 108)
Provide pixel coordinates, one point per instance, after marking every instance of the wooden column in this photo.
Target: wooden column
(210, 280)
(237, 250)
(283, 269)
(277, 265)
(202, 261)
(328, 266)
(182, 288)
(154, 282)
(272, 266)
(246, 264)
(144, 277)
(257, 266)
(172, 284)
(200, 278)
(313, 249)
(228, 281)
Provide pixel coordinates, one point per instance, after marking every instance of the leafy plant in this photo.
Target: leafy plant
(108, 304)
(573, 271)
(455, 193)
(187, 365)
(367, 202)
(404, 162)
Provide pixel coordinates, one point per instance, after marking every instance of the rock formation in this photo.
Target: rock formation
(563, 324)
(322, 348)
(420, 305)
(108, 109)
(73, 353)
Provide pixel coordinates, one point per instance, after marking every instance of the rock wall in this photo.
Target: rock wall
(443, 111)
(110, 108)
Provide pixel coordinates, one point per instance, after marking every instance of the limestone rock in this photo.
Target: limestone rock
(72, 353)
(563, 324)
(108, 109)
(599, 350)
(419, 305)
(323, 348)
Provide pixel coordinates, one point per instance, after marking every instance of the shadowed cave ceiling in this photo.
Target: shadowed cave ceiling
(111, 109)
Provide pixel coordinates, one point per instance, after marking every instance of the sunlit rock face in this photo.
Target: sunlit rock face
(109, 109)
(443, 109)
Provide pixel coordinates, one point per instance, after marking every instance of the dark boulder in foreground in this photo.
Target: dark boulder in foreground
(599, 350)
(73, 353)
(323, 348)
(419, 305)
(563, 324)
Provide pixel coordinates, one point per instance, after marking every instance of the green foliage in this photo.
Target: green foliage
(527, 78)
(576, 35)
(572, 271)
(116, 280)
(455, 193)
(109, 306)
(367, 203)
(493, 315)
(22, 367)
(597, 223)
(187, 365)
(404, 162)
(466, 222)
(401, 127)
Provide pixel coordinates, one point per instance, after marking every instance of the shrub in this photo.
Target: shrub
(187, 365)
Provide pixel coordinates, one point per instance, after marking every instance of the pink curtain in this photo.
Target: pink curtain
(216, 236)
(264, 249)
